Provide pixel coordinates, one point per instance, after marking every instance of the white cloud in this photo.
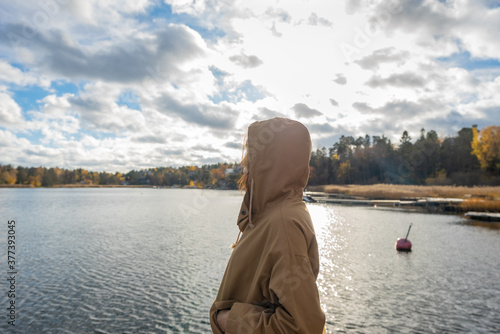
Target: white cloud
(131, 84)
(246, 61)
(303, 111)
(13, 75)
(470, 22)
(10, 112)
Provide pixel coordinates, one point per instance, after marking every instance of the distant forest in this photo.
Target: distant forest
(470, 158)
(220, 176)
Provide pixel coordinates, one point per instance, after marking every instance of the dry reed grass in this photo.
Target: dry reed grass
(392, 191)
(17, 186)
(477, 204)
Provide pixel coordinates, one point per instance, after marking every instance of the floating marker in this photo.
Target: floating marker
(404, 245)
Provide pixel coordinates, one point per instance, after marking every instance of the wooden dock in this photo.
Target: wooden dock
(446, 204)
(484, 216)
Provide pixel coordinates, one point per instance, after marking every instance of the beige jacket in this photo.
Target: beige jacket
(270, 281)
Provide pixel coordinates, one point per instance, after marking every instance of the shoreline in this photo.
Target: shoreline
(30, 186)
(397, 191)
(453, 199)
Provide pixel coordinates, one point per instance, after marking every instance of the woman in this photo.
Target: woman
(269, 285)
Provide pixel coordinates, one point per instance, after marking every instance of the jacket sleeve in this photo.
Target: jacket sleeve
(216, 307)
(296, 308)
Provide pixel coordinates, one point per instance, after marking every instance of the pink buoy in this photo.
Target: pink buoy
(403, 244)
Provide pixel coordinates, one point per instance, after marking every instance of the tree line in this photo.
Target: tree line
(472, 157)
(220, 176)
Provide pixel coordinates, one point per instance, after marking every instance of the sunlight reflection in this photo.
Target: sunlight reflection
(362, 280)
(330, 234)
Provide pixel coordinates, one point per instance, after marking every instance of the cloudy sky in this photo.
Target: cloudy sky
(115, 85)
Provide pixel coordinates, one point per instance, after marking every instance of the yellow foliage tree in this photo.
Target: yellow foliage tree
(58, 171)
(486, 147)
(35, 180)
(95, 178)
(120, 176)
(344, 172)
(8, 176)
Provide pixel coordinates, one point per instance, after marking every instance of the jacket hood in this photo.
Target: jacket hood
(279, 150)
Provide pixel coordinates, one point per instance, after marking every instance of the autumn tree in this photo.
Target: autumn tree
(486, 147)
(344, 173)
(8, 175)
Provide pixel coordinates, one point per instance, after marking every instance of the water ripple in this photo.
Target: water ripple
(150, 261)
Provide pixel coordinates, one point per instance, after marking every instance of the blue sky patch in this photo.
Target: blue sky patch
(218, 98)
(27, 97)
(163, 12)
(218, 73)
(64, 87)
(19, 66)
(129, 99)
(464, 60)
(246, 90)
(251, 92)
(492, 4)
(160, 11)
(34, 136)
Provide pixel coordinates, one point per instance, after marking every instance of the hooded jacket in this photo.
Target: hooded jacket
(270, 280)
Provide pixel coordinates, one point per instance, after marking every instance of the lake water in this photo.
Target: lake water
(150, 261)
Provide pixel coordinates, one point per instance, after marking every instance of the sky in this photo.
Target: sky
(112, 85)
